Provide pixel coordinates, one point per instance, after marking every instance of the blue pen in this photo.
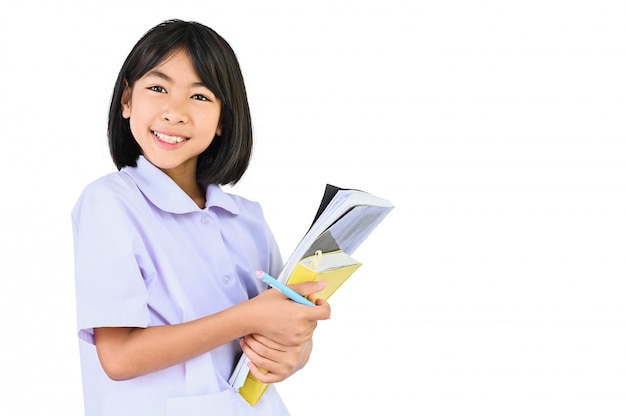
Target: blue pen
(290, 293)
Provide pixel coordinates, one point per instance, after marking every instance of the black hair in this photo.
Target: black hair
(228, 156)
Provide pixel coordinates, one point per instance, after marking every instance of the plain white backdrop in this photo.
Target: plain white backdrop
(497, 286)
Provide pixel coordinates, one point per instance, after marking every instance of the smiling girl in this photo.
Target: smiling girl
(165, 260)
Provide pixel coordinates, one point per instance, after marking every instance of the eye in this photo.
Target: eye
(200, 97)
(156, 88)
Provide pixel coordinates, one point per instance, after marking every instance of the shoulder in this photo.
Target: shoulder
(244, 203)
(218, 197)
(114, 189)
(245, 211)
(111, 184)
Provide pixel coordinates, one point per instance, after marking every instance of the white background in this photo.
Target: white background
(495, 287)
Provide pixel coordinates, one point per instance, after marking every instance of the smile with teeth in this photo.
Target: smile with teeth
(168, 139)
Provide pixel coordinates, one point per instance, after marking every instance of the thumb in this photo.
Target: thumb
(307, 288)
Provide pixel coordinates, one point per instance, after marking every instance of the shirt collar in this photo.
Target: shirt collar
(163, 192)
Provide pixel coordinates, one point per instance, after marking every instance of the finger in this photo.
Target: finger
(262, 374)
(322, 310)
(261, 341)
(262, 355)
(308, 288)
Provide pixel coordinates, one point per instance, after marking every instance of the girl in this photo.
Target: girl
(165, 260)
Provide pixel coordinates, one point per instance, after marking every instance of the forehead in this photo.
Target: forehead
(177, 63)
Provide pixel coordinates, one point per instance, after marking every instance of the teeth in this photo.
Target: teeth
(168, 139)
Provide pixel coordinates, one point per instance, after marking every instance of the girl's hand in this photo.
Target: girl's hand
(284, 321)
(271, 362)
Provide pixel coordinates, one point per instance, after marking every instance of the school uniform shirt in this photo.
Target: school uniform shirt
(147, 255)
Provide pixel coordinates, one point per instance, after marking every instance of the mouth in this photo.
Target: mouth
(169, 139)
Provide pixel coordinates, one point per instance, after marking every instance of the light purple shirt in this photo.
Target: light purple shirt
(147, 255)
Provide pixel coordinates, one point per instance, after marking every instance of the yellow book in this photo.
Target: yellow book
(252, 389)
(334, 267)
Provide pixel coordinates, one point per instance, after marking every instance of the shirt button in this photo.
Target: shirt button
(205, 219)
(226, 279)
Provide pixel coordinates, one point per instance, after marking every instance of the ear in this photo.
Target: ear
(126, 101)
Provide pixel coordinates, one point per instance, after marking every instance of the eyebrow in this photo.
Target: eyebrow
(166, 77)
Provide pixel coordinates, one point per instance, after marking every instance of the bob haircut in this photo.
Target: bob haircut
(228, 156)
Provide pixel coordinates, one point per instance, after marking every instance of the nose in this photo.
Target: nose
(175, 111)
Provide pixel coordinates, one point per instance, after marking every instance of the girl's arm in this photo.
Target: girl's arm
(130, 352)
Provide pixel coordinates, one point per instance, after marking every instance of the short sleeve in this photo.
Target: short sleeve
(110, 289)
(275, 258)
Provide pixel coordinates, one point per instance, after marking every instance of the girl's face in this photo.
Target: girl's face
(173, 116)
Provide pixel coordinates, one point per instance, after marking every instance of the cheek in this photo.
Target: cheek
(137, 130)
